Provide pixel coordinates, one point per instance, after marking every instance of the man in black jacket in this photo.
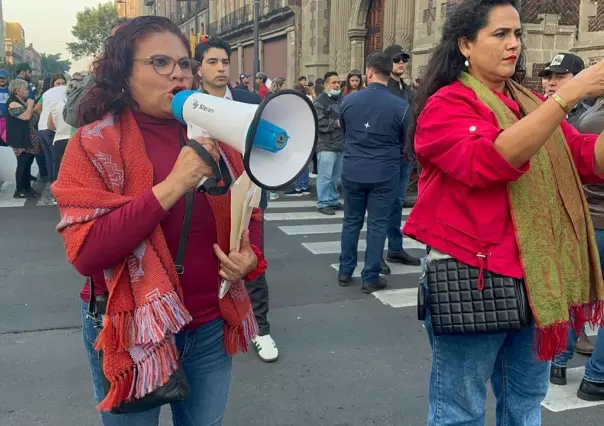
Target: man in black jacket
(329, 146)
(214, 56)
(397, 86)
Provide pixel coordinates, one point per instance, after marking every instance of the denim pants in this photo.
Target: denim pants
(46, 138)
(207, 367)
(376, 199)
(594, 367)
(328, 179)
(395, 236)
(303, 180)
(462, 364)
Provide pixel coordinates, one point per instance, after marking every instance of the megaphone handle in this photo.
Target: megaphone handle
(219, 170)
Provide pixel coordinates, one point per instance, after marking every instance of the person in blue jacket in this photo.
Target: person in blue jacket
(374, 124)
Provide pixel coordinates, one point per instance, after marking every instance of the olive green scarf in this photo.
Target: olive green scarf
(554, 231)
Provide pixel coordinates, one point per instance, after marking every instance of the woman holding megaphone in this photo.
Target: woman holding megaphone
(154, 249)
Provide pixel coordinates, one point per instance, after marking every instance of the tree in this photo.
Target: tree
(93, 26)
(53, 64)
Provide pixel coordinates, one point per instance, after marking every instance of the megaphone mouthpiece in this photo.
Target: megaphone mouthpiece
(269, 137)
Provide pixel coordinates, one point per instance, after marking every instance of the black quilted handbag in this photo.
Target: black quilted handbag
(457, 306)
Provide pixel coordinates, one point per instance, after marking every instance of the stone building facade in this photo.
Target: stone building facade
(311, 37)
(338, 34)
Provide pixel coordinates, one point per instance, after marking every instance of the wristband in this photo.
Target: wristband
(561, 102)
(260, 266)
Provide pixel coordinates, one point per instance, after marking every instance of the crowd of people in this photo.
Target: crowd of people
(510, 207)
(31, 124)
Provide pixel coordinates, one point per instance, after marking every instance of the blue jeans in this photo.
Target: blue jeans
(594, 367)
(376, 199)
(463, 363)
(303, 180)
(46, 138)
(207, 367)
(395, 237)
(328, 179)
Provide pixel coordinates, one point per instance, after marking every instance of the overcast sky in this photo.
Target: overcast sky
(48, 23)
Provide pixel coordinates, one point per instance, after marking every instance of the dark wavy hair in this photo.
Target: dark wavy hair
(465, 19)
(110, 91)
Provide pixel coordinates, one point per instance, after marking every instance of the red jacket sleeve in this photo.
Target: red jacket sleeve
(582, 147)
(114, 236)
(453, 136)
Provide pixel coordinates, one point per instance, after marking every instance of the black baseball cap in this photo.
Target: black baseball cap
(396, 51)
(564, 63)
(244, 75)
(23, 66)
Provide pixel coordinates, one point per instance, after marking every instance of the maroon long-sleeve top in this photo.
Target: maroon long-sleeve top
(115, 235)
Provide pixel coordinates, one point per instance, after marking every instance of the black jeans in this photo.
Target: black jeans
(58, 151)
(258, 290)
(23, 173)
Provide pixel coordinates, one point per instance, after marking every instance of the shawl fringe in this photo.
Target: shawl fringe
(552, 340)
(150, 323)
(152, 371)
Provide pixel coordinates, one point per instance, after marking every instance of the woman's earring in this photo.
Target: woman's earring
(467, 64)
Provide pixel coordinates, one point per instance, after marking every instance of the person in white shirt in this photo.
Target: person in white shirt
(51, 97)
(62, 134)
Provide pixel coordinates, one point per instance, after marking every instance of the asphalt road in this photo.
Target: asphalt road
(347, 359)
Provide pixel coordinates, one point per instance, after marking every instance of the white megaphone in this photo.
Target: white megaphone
(276, 138)
(8, 164)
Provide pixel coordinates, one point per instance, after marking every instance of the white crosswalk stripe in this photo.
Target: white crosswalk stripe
(300, 218)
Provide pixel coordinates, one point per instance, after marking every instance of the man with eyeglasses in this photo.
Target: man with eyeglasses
(396, 253)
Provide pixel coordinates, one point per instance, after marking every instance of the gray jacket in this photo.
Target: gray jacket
(74, 98)
(592, 122)
(331, 135)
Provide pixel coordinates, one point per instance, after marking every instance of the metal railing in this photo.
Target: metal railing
(274, 5)
(186, 9)
(239, 17)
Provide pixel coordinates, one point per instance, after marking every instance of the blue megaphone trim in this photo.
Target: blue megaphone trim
(178, 103)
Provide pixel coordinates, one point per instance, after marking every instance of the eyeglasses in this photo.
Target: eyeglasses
(165, 65)
(400, 58)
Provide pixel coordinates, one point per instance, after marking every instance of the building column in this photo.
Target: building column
(390, 22)
(338, 40)
(292, 57)
(261, 53)
(314, 37)
(240, 59)
(357, 48)
(405, 17)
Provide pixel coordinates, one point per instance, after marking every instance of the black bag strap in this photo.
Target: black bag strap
(220, 171)
(186, 224)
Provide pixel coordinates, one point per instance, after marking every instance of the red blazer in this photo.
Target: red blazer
(462, 207)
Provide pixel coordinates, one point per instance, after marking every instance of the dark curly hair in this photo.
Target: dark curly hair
(465, 19)
(110, 91)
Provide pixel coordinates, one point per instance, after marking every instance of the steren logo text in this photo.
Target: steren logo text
(197, 105)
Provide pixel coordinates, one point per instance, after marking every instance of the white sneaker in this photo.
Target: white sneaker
(312, 175)
(274, 196)
(266, 347)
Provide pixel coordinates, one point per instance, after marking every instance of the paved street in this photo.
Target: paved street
(347, 359)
